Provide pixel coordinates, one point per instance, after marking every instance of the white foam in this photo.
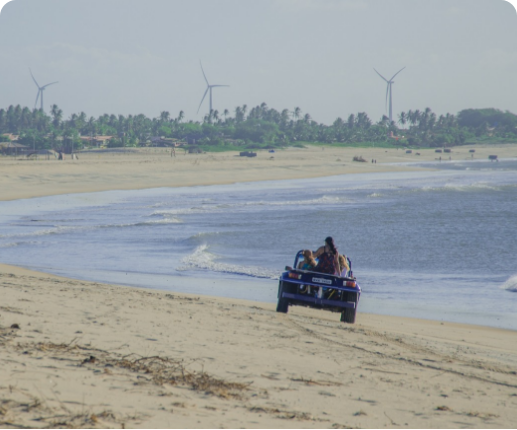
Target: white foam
(203, 260)
(510, 284)
(211, 208)
(72, 229)
(9, 244)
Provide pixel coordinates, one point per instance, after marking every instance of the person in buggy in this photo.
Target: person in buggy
(328, 258)
(308, 263)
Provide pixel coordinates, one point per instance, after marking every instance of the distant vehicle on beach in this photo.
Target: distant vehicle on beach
(298, 287)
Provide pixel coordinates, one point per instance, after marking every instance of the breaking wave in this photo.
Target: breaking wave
(510, 284)
(201, 259)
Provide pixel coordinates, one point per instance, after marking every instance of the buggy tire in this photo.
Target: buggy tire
(348, 314)
(283, 304)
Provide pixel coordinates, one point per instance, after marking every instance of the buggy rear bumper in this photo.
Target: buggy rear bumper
(317, 301)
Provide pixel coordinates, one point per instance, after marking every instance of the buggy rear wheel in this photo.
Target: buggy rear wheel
(283, 304)
(348, 314)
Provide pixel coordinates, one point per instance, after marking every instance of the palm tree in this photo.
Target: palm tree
(402, 119)
(57, 114)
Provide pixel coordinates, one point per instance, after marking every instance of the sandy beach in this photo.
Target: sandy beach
(78, 354)
(84, 354)
(154, 167)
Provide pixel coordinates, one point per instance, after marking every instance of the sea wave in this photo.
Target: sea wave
(203, 260)
(224, 207)
(9, 244)
(510, 284)
(75, 229)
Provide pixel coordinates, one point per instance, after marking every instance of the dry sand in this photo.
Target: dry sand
(82, 354)
(150, 168)
(171, 360)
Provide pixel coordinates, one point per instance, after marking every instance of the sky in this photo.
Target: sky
(135, 56)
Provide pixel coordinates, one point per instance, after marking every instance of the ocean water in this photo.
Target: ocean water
(438, 244)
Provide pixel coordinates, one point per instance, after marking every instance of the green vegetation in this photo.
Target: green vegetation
(258, 128)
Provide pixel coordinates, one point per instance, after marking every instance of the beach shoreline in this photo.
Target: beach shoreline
(86, 354)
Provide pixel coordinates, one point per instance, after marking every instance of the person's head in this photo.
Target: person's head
(342, 262)
(329, 242)
(308, 257)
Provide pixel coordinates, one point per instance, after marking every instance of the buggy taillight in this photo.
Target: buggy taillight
(295, 275)
(350, 284)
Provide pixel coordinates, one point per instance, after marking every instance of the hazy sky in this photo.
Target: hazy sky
(135, 56)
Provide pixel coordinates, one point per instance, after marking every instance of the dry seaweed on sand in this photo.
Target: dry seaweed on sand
(164, 370)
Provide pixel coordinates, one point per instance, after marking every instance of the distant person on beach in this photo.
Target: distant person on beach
(328, 258)
(60, 155)
(308, 262)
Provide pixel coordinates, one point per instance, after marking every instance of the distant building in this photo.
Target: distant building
(163, 142)
(96, 140)
(13, 148)
(11, 137)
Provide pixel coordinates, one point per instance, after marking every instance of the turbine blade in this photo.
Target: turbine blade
(219, 86)
(397, 73)
(380, 75)
(203, 73)
(45, 86)
(37, 97)
(204, 95)
(33, 78)
(387, 90)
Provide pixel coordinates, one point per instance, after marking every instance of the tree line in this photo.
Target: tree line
(258, 127)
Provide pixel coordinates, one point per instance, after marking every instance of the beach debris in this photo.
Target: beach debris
(359, 413)
(320, 383)
(15, 326)
(483, 416)
(443, 408)
(492, 157)
(247, 154)
(163, 370)
(359, 159)
(92, 359)
(282, 414)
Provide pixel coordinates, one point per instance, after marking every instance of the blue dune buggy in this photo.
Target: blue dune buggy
(318, 290)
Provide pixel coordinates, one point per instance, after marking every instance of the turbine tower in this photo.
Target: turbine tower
(208, 88)
(389, 90)
(40, 91)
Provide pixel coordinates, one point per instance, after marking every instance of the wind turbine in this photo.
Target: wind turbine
(388, 90)
(40, 91)
(208, 88)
